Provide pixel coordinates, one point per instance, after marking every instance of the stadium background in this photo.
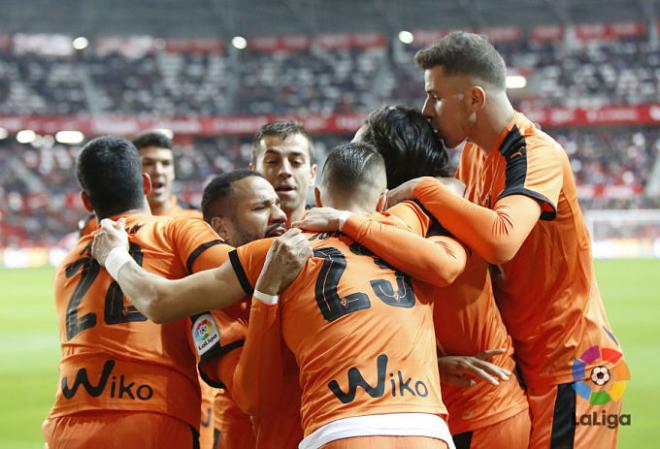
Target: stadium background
(587, 71)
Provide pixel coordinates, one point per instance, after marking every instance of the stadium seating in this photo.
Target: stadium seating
(39, 195)
(329, 75)
(310, 80)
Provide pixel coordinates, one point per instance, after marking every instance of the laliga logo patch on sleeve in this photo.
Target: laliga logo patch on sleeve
(205, 333)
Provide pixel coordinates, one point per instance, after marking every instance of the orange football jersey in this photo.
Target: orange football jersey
(467, 322)
(364, 342)
(232, 429)
(547, 293)
(113, 358)
(277, 425)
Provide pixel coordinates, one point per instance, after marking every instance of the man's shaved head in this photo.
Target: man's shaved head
(354, 171)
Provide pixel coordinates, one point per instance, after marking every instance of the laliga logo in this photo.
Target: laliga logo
(203, 330)
(608, 377)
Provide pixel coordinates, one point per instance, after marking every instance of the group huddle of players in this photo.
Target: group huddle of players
(410, 309)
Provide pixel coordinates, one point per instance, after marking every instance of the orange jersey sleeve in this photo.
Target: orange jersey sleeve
(534, 171)
(495, 234)
(276, 422)
(553, 314)
(279, 426)
(233, 429)
(259, 374)
(520, 167)
(390, 237)
(185, 235)
(248, 260)
(216, 332)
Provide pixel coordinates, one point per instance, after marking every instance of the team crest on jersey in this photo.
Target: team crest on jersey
(205, 333)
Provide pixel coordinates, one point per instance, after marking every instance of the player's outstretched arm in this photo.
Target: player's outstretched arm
(437, 263)
(496, 234)
(259, 375)
(159, 299)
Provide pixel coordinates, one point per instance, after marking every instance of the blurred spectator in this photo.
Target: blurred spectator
(40, 85)
(585, 75)
(39, 196)
(310, 80)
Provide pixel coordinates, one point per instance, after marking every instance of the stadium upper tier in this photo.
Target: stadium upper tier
(348, 73)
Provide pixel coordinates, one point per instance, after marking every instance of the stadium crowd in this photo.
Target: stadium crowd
(589, 74)
(39, 194)
(331, 80)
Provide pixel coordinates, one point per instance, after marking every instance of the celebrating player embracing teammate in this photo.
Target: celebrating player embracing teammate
(349, 333)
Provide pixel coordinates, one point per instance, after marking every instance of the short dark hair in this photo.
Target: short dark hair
(152, 139)
(109, 171)
(465, 53)
(220, 188)
(283, 129)
(408, 144)
(350, 168)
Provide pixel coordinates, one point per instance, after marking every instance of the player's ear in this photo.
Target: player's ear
(312, 171)
(317, 197)
(477, 98)
(146, 181)
(381, 205)
(220, 227)
(86, 201)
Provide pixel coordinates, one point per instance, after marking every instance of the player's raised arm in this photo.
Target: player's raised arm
(532, 186)
(159, 299)
(434, 262)
(496, 234)
(259, 375)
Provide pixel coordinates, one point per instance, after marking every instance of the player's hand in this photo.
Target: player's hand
(465, 371)
(320, 219)
(286, 257)
(403, 192)
(111, 235)
(406, 190)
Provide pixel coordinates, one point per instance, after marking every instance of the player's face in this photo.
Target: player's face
(286, 163)
(445, 106)
(255, 211)
(158, 163)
